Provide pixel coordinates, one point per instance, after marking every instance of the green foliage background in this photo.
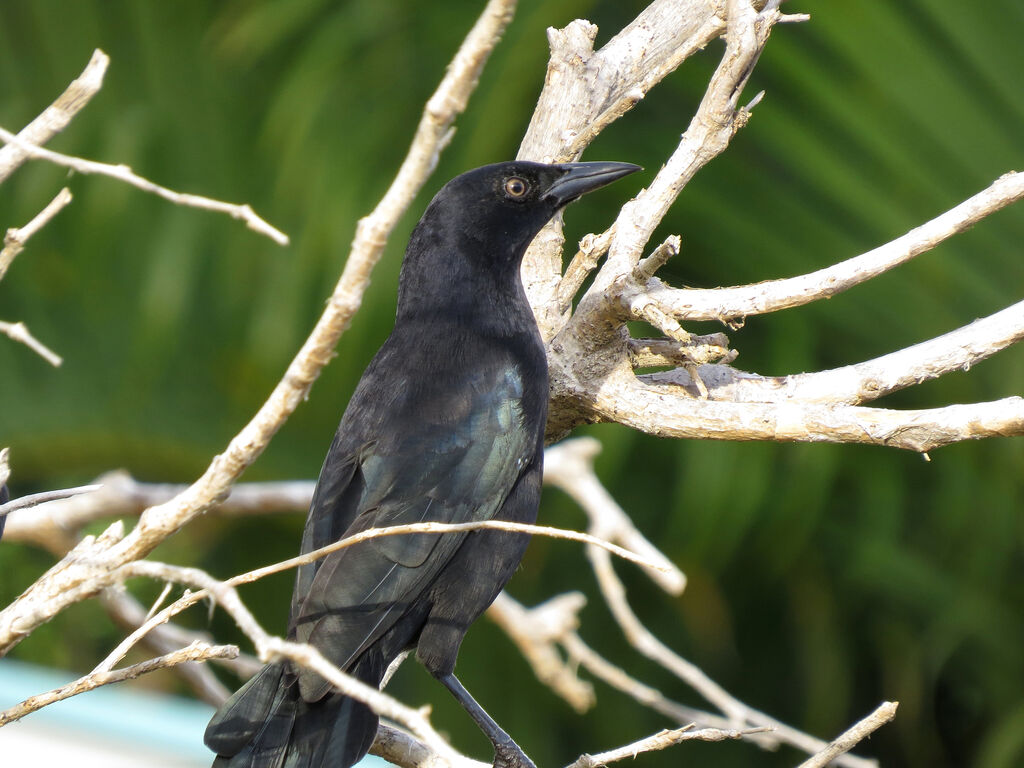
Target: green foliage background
(822, 578)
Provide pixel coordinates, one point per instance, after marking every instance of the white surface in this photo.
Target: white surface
(38, 746)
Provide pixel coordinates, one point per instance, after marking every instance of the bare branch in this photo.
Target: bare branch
(535, 632)
(592, 248)
(650, 646)
(123, 173)
(20, 333)
(582, 654)
(957, 350)
(570, 466)
(662, 740)
(35, 499)
(56, 117)
(197, 651)
(886, 711)
(274, 648)
(665, 411)
(120, 495)
(144, 568)
(128, 613)
(773, 295)
(15, 239)
(584, 91)
(716, 121)
(401, 749)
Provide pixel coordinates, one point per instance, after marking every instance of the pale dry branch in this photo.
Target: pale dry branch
(196, 652)
(16, 237)
(56, 117)
(146, 569)
(19, 332)
(569, 465)
(535, 632)
(128, 613)
(584, 91)
(592, 248)
(36, 499)
(271, 649)
(579, 653)
(590, 346)
(885, 712)
(737, 713)
(644, 561)
(401, 749)
(54, 525)
(655, 353)
(123, 173)
(717, 120)
(957, 350)
(592, 359)
(662, 740)
(71, 580)
(667, 412)
(538, 632)
(773, 295)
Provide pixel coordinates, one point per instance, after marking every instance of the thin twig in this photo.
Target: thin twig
(144, 568)
(569, 465)
(582, 654)
(128, 613)
(441, 528)
(272, 649)
(55, 118)
(15, 239)
(773, 295)
(662, 740)
(535, 631)
(886, 711)
(20, 332)
(650, 646)
(197, 651)
(35, 499)
(128, 176)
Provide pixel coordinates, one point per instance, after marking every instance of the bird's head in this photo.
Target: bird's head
(482, 221)
(512, 201)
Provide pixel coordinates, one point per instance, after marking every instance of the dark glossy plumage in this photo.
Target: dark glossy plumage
(446, 424)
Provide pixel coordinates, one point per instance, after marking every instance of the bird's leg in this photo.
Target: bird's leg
(507, 754)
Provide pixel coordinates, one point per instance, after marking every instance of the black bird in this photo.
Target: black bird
(447, 425)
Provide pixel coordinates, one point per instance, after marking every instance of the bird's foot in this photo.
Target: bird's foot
(509, 755)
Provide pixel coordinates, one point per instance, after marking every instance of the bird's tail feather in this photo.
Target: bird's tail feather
(266, 724)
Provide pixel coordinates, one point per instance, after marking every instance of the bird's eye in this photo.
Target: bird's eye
(515, 186)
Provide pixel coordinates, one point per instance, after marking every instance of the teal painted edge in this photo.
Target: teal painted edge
(117, 712)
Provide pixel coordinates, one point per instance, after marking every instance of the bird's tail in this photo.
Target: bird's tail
(266, 724)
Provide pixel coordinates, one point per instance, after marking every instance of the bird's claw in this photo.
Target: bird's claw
(511, 756)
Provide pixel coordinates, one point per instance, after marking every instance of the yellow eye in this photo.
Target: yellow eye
(515, 187)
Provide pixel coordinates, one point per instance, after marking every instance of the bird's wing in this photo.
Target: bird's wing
(454, 461)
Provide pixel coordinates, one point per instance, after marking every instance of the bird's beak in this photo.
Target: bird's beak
(580, 178)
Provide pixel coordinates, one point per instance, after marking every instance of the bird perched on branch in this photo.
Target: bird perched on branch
(446, 425)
